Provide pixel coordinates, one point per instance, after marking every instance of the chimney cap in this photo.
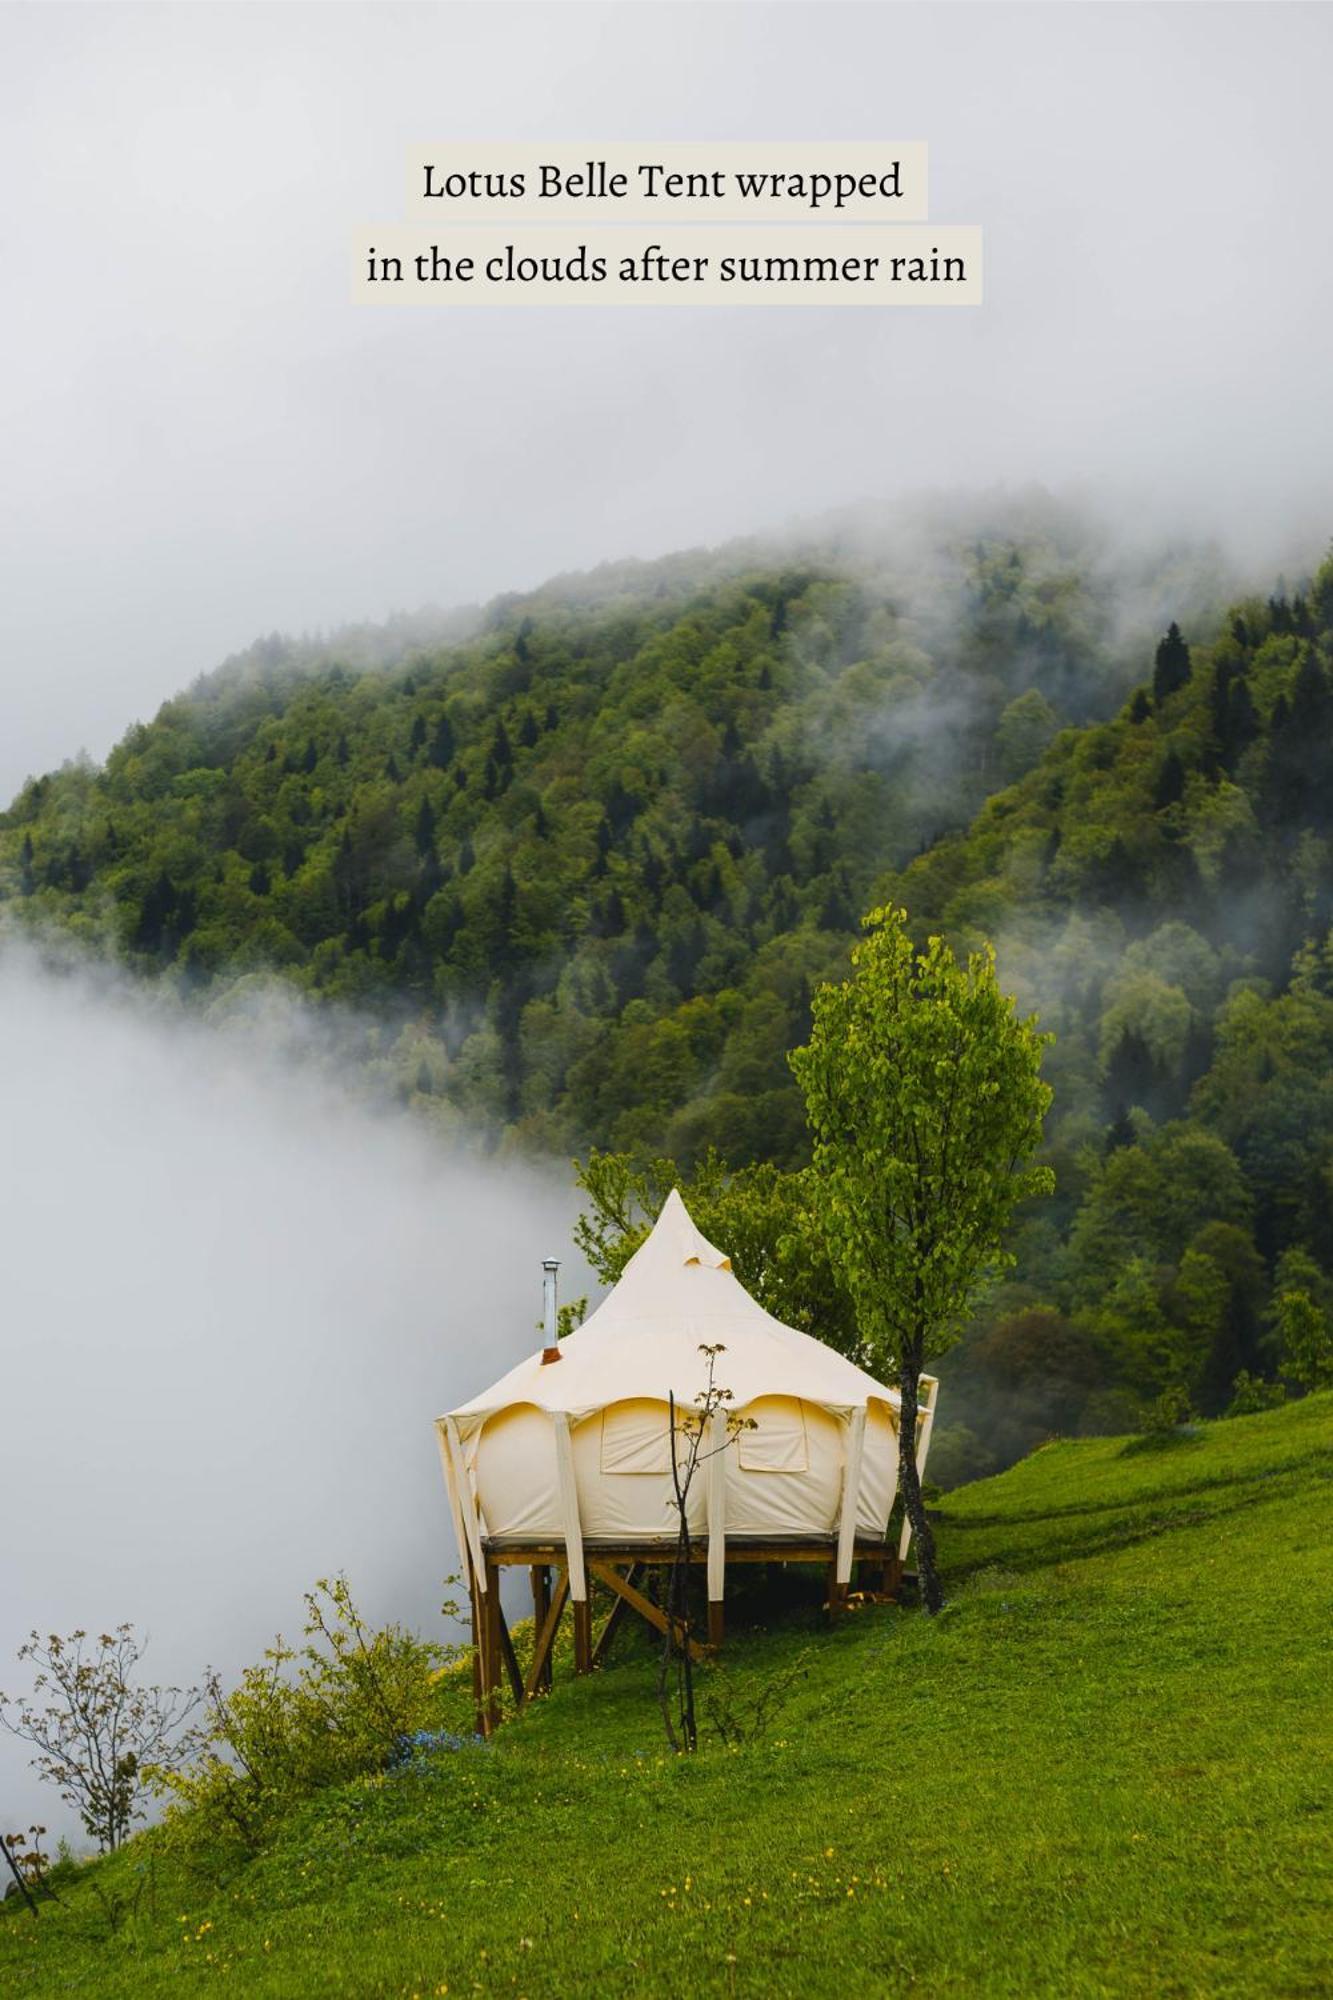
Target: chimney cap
(550, 1263)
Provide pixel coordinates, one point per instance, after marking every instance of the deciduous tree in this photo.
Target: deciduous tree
(925, 1102)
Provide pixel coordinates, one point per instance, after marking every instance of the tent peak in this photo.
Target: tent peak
(675, 1239)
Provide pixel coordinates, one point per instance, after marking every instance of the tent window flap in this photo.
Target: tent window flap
(636, 1438)
(778, 1441)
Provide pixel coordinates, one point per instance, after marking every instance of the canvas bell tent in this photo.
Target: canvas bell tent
(565, 1463)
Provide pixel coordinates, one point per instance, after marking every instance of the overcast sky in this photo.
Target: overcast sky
(204, 439)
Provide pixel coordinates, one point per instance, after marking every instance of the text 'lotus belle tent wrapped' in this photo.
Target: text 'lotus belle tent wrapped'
(568, 1460)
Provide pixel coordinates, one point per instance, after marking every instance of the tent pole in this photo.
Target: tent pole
(851, 1496)
(717, 1525)
(451, 1489)
(569, 1508)
(466, 1501)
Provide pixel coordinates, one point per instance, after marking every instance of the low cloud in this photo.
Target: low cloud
(234, 1299)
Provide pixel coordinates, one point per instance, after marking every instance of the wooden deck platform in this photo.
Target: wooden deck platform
(620, 1567)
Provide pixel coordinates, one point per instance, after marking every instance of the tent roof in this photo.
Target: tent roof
(676, 1294)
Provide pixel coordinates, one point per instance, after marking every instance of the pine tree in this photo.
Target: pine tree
(442, 744)
(1170, 784)
(1171, 667)
(425, 829)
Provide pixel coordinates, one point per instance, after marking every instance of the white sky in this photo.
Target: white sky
(201, 438)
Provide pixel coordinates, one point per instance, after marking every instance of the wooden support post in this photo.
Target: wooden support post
(541, 1655)
(613, 1618)
(583, 1634)
(478, 1676)
(508, 1654)
(837, 1592)
(490, 1651)
(638, 1602)
(541, 1604)
(716, 1623)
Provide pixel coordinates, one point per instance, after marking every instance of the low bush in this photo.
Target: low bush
(348, 1701)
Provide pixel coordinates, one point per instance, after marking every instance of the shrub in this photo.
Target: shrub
(1167, 1413)
(343, 1704)
(1250, 1394)
(97, 1729)
(1307, 1346)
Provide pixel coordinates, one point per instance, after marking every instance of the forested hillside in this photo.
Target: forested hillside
(1159, 887)
(579, 865)
(589, 862)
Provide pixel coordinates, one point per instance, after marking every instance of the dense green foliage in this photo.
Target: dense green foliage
(1159, 886)
(1121, 1737)
(589, 862)
(923, 1090)
(580, 868)
(924, 1095)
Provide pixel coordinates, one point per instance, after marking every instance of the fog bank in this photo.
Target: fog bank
(231, 1302)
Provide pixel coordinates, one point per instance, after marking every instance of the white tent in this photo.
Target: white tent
(574, 1453)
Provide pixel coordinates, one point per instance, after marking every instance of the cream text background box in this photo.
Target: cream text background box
(831, 245)
(728, 156)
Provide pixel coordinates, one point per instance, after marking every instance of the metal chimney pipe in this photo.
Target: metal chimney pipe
(551, 1351)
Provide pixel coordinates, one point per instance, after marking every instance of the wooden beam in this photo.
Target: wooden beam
(664, 1553)
(541, 1604)
(539, 1671)
(638, 1602)
(490, 1651)
(613, 1618)
(716, 1623)
(478, 1678)
(507, 1651)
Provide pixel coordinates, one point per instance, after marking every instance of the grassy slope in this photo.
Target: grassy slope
(1105, 1770)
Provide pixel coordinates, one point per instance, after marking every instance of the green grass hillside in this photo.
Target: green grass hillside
(1105, 1770)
